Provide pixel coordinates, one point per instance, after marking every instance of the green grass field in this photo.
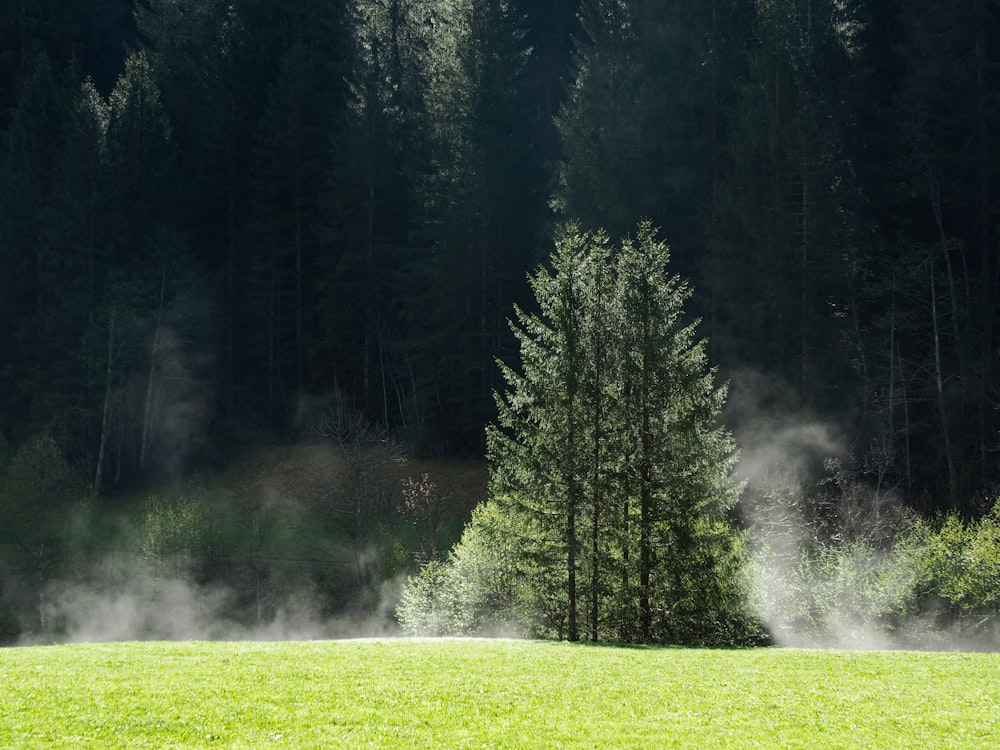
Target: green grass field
(477, 693)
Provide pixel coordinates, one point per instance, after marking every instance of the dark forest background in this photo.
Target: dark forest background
(223, 218)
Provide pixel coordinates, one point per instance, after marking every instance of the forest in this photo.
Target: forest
(236, 221)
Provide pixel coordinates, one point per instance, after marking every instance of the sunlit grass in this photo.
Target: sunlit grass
(491, 694)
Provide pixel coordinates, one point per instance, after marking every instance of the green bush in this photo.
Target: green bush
(175, 535)
(963, 565)
(475, 590)
(931, 584)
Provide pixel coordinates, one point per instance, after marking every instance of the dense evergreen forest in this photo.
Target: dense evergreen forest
(223, 217)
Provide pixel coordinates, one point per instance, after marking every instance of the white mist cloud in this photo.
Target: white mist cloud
(137, 605)
(179, 403)
(833, 565)
(784, 455)
(774, 435)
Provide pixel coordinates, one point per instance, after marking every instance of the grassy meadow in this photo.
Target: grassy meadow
(491, 693)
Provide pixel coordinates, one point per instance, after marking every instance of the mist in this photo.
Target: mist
(297, 541)
(836, 559)
(262, 552)
(179, 404)
(138, 604)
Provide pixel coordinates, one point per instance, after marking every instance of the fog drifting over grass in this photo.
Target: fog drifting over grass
(141, 606)
(805, 498)
(783, 452)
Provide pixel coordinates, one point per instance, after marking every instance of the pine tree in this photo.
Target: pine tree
(537, 449)
(615, 400)
(378, 153)
(28, 264)
(679, 460)
(76, 230)
(221, 136)
(141, 158)
(289, 161)
(781, 235)
(479, 220)
(605, 125)
(947, 122)
(641, 130)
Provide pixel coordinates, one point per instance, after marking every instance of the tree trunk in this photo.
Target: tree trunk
(804, 274)
(906, 425)
(149, 407)
(986, 273)
(645, 487)
(935, 198)
(625, 622)
(597, 500)
(43, 623)
(939, 387)
(103, 442)
(231, 401)
(299, 293)
(571, 509)
(272, 342)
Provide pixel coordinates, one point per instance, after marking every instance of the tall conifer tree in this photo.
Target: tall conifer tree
(615, 400)
(478, 221)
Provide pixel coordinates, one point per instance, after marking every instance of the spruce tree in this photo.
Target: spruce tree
(378, 151)
(781, 235)
(142, 158)
(537, 450)
(478, 220)
(614, 402)
(677, 460)
(289, 159)
(30, 344)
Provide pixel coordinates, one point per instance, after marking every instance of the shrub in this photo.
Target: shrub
(963, 565)
(474, 591)
(175, 535)
(930, 585)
